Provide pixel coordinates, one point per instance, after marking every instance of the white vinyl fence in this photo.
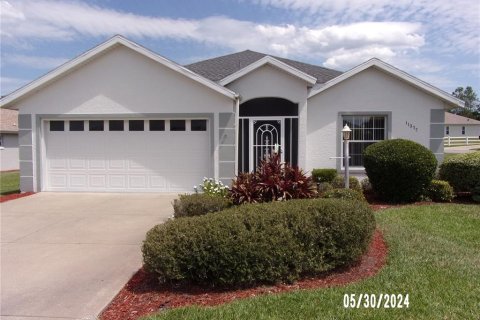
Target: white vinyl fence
(460, 141)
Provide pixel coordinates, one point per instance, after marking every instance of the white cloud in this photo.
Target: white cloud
(69, 20)
(339, 33)
(32, 61)
(349, 58)
(450, 25)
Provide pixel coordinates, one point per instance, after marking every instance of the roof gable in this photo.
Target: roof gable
(221, 67)
(267, 60)
(98, 50)
(389, 69)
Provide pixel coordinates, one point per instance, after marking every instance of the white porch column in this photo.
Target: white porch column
(302, 133)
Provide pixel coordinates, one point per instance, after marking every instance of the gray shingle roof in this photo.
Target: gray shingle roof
(218, 68)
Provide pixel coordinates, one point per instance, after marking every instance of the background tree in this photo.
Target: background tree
(472, 103)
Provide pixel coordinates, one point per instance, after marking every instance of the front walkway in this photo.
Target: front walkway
(66, 255)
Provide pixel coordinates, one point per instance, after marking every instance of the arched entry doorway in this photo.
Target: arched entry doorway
(265, 125)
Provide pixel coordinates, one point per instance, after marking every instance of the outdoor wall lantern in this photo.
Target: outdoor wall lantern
(346, 132)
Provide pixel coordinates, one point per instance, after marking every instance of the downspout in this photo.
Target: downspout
(236, 126)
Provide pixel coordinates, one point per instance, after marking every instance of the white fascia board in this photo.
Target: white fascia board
(379, 64)
(116, 40)
(271, 61)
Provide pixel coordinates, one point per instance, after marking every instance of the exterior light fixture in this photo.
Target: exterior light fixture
(346, 132)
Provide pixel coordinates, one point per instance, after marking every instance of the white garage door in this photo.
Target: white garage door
(126, 155)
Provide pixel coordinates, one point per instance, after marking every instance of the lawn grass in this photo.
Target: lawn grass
(434, 256)
(9, 182)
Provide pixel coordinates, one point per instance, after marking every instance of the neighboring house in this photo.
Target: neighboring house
(458, 126)
(122, 118)
(8, 140)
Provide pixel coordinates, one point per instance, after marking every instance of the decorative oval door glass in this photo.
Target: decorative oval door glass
(267, 138)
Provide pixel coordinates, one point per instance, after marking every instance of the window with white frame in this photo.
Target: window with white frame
(463, 130)
(366, 130)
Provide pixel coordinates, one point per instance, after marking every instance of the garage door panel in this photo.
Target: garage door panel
(116, 164)
(58, 180)
(161, 161)
(77, 164)
(117, 181)
(56, 163)
(96, 164)
(78, 180)
(97, 181)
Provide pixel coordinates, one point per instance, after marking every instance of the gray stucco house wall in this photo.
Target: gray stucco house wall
(142, 123)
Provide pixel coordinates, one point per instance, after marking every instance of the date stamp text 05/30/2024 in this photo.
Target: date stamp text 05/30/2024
(376, 301)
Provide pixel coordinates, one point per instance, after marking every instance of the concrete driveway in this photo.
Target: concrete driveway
(66, 255)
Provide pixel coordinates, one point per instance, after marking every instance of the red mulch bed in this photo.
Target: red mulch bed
(14, 196)
(143, 295)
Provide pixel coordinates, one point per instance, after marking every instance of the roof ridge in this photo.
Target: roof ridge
(297, 61)
(222, 56)
(219, 68)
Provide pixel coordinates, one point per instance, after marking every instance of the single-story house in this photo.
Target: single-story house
(458, 126)
(122, 118)
(8, 140)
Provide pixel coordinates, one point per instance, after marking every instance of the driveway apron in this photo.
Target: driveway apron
(66, 255)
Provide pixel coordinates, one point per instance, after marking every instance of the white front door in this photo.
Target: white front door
(160, 156)
(266, 136)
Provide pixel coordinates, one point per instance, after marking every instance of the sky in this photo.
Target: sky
(437, 41)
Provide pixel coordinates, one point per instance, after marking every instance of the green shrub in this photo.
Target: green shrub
(462, 171)
(188, 205)
(399, 170)
(260, 243)
(323, 175)
(323, 187)
(348, 194)
(476, 193)
(440, 191)
(339, 182)
(366, 186)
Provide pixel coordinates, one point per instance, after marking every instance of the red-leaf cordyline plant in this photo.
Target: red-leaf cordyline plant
(273, 181)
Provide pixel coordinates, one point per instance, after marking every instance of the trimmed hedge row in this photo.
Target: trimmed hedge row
(339, 182)
(260, 243)
(348, 194)
(324, 175)
(189, 205)
(462, 171)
